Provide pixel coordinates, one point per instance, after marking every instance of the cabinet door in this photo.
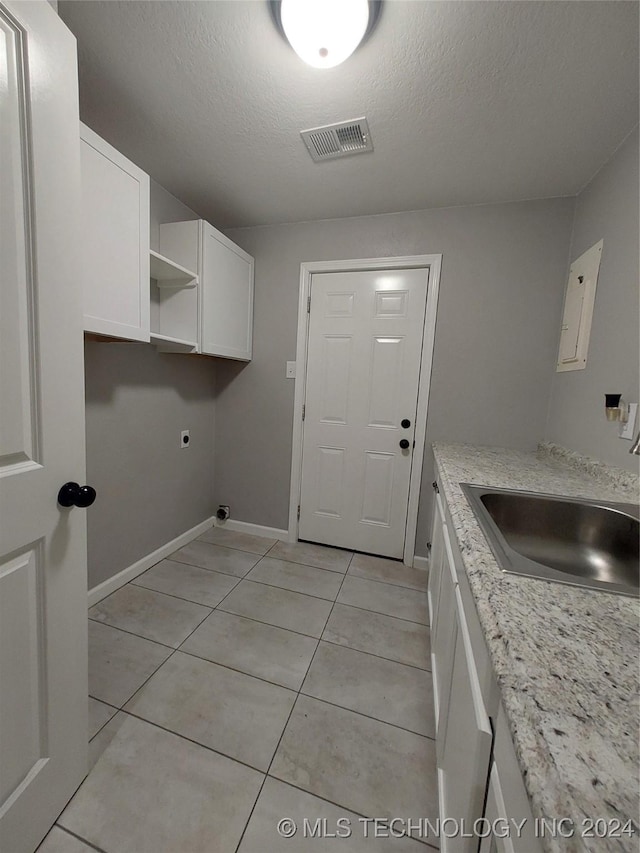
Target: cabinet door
(435, 562)
(444, 641)
(496, 815)
(115, 241)
(507, 799)
(226, 297)
(464, 766)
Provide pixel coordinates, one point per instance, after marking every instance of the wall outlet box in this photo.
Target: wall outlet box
(628, 430)
(291, 370)
(185, 438)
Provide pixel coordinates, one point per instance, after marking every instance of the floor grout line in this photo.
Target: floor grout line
(133, 634)
(286, 589)
(373, 654)
(181, 597)
(284, 728)
(230, 547)
(298, 563)
(366, 716)
(204, 569)
(340, 806)
(191, 740)
(79, 837)
(381, 613)
(241, 671)
(357, 577)
(261, 622)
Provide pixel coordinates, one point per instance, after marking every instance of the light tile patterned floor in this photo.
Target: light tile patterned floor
(245, 680)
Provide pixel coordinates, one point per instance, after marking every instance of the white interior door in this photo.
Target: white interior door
(43, 590)
(363, 368)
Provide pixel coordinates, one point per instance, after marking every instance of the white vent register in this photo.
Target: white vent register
(578, 310)
(338, 140)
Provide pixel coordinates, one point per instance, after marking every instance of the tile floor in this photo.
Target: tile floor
(245, 680)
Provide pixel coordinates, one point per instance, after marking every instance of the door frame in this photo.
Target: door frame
(307, 269)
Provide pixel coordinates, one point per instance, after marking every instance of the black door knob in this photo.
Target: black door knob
(72, 494)
(405, 423)
(404, 443)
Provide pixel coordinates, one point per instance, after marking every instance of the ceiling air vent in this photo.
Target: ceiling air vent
(338, 140)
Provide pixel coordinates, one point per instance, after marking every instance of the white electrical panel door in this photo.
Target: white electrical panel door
(115, 241)
(578, 310)
(226, 297)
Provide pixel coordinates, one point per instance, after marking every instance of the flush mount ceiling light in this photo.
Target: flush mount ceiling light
(325, 32)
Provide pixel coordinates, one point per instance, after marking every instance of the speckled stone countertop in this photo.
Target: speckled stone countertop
(565, 658)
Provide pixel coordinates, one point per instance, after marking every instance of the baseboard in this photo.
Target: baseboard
(253, 529)
(112, 584)
(420, 562)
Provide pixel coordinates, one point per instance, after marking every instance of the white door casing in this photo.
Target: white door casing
(43, 645)
(363, 365)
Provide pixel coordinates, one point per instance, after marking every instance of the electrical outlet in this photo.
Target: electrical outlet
(185, 438)
(627, 430)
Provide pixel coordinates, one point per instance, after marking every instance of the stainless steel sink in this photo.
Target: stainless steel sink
(568, 540)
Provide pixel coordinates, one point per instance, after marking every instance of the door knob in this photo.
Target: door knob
(404, 443)
(72, 494)
(405, 423)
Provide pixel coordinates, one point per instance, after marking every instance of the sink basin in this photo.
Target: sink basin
(568, 540)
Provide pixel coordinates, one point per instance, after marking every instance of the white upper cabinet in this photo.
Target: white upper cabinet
(115, 241)
(226, 316)
(220, 308)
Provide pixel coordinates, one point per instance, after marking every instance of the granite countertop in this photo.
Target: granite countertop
(565, 658)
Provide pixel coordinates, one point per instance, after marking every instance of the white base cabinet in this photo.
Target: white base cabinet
(471, 784)
(115, 241)
(219, 311)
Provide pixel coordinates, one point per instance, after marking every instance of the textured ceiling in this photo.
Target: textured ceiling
(468, 102)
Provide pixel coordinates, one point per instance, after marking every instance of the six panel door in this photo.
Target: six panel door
(43, 582)
(363, 369)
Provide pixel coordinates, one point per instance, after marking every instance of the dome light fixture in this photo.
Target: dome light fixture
(325, 32)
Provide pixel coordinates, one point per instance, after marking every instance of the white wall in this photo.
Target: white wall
(607, 209)
(496, 336)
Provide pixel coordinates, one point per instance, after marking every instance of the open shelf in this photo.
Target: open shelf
(170, 344)
(168, 273)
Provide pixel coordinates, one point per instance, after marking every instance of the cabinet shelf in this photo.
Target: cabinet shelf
(173, 344)
(168, 273)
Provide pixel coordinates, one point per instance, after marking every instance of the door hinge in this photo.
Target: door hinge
(304, 410)
(308, 305)
(298, 512)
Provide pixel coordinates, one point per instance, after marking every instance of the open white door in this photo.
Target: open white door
(43, 589)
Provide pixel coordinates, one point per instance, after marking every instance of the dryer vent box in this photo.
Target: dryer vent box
(338, 140)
